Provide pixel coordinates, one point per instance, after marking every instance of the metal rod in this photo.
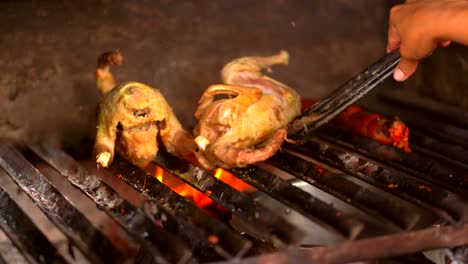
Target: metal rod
(194, 225)
(164, 246)
(347, 94)
(449, 174)
(273, 227)
(370, 249)
(325, 214)
(388, 178)
(90, 239)
(372, 200)
(23, 232)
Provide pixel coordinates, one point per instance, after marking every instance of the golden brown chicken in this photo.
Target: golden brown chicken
(131, 118)
(250, 125)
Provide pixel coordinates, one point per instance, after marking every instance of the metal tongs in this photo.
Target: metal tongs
(338, 100)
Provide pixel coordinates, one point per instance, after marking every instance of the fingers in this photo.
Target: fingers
(444, 44)
(405, 69)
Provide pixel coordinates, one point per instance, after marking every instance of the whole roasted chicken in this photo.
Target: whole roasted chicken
(249, 124)
(132, 116)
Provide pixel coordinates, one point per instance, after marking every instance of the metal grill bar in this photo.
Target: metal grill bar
(387, 178)
(89, 239)
(164, 246)
(450, 176)
(306, 204)
(413, 100)
(450, 153)
(8, 252)
(64, 246)
(372, 248)
(193, 224)
(278, 231)
(403, 214)
(24, 233)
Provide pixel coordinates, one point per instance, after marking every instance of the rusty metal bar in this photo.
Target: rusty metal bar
(274, 228)
(91, 240)
(303, 202)
(194, 225)
(370, 249)
(163, 247)
(373, 201)
(389, 179)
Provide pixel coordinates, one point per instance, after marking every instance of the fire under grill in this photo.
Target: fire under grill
(337, 198)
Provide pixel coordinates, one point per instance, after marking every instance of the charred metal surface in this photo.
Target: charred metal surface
(345, 95)
(274, 228)
(424, 122)
(164, 247)
(447, 112)
(373, 201)
(389, 179)
(453, 154)
(372, 248)
(447, 174)
(194, 225)
(88, 238)
(303, 202)
(8, 252)
(24, 233)
(64, 246)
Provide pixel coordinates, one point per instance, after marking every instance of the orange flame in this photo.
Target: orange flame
(202, 200)
(233, 181)
(182, 188)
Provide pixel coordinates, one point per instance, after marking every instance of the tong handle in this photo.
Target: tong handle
(347, 94)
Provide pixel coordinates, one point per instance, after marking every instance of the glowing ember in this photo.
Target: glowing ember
(202, 200)
(233, 181)
(183, 189)
(159, 173)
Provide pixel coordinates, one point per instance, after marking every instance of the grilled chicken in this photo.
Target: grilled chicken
(131, 118)
(250, 124)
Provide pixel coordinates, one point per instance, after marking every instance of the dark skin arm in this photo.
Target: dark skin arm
(418, 27)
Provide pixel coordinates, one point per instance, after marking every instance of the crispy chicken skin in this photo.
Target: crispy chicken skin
(131, 118)
(250, 125)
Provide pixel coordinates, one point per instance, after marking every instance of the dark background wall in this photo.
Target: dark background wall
(48, 51)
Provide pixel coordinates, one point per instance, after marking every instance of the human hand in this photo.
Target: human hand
(418, 27)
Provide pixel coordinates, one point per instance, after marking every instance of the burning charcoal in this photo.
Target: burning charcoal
(131, 118)
(250, 125)
(388, 131)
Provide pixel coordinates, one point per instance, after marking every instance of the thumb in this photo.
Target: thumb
(405, 69)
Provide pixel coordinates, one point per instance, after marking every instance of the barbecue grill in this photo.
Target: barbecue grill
(337, 198)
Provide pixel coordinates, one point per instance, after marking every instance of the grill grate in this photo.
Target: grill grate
(350, 188)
